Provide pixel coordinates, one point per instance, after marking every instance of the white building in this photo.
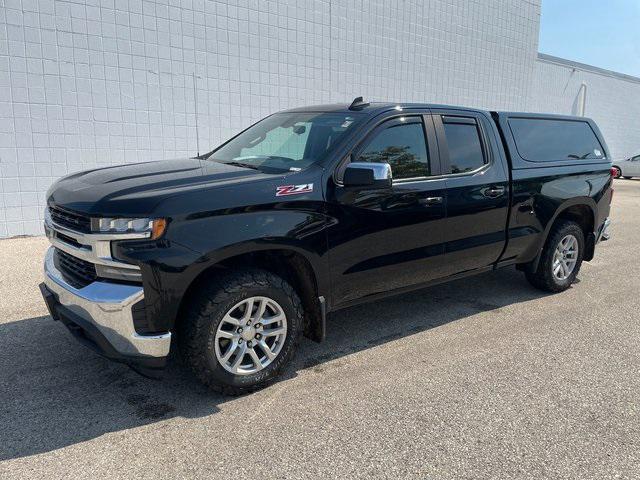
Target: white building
(91, 83)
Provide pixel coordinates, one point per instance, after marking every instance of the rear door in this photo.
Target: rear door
(388, 239)
(477, 183)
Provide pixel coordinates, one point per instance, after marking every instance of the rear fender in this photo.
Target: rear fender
(562, 209)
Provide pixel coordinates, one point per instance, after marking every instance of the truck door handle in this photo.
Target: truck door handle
(428, 201)
(493, 192)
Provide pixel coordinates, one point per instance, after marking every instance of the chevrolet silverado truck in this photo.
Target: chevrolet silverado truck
(233, 255)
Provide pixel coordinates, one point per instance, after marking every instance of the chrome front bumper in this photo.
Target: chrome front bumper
(107, 307)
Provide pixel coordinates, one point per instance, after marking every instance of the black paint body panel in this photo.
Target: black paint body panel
(360, 244)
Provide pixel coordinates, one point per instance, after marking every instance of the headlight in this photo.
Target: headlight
(155, 227)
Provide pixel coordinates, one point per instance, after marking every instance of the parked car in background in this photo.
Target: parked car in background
(627, 168)
(240, 251)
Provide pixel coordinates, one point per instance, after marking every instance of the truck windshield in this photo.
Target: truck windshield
(286, 141)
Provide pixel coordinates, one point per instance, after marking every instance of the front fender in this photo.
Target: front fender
(197, 243)
(220, 237)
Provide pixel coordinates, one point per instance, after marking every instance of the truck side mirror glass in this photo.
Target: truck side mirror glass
(365, 174)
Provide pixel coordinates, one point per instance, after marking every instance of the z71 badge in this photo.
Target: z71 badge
(294, 189)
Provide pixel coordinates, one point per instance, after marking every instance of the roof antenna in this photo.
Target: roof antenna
(358, 104)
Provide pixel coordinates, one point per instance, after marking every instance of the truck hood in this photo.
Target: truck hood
(135, 189)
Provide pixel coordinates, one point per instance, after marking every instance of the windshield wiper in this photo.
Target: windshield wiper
(241, 164)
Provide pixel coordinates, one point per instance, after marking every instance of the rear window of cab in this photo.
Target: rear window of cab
(548, 140)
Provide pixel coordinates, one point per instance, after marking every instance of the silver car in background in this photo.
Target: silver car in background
(627, 168)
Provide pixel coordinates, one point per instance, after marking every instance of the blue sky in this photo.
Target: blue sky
(603, 33)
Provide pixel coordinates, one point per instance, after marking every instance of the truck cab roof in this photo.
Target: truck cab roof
(375, 108)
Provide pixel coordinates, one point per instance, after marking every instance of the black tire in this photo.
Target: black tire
(627, 178)
(196, 333)
(543, 277)
(618, 173)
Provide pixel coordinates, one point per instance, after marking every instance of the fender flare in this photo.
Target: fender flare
(315, 329)
(315, 259)
(572, 202)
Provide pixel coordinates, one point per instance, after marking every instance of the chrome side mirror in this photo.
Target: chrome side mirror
(367, 175)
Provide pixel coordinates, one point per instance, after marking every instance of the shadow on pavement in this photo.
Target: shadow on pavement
(57, 393)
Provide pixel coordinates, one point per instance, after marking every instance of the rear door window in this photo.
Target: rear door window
(464, 145)
(547, 140)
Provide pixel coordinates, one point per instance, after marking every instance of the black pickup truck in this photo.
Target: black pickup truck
(233, 255)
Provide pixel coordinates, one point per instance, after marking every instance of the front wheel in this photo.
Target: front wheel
(560, 260)
(241, 330)
(617, 172)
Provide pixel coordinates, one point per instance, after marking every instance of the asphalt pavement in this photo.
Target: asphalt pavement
(480, 378)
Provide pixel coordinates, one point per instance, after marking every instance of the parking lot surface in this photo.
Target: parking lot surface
(480, 378)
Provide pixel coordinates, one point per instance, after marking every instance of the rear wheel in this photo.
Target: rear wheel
(241, 330)
(561, 258)
(627, 178)
(617, 172)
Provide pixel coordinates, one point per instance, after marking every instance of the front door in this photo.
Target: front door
(386, 239)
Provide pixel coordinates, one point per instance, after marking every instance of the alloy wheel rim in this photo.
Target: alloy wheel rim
(250, 335)
(565, 257)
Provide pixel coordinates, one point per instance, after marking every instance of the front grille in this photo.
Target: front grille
(71, 220)
(79, 273)
(69, 240)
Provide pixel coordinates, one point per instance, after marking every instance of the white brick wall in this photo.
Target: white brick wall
(91, 83)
